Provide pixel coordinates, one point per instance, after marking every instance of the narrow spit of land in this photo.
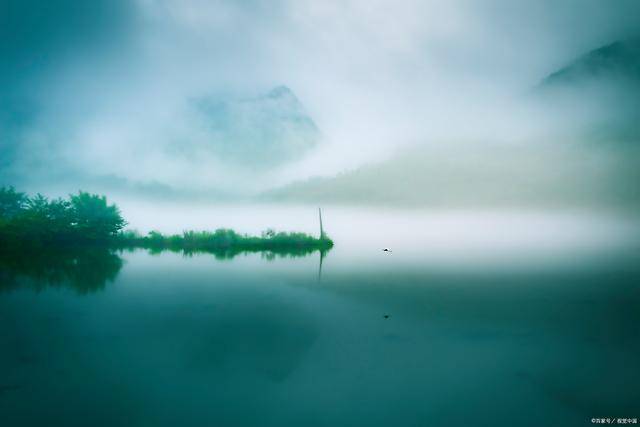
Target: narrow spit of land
(38, 223)
(226, 243)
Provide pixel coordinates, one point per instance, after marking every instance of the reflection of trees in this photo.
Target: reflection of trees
(226, 244)
(222, 254)
(89, 269)
(84, 270)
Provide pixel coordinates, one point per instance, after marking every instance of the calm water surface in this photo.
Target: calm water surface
(493, 319)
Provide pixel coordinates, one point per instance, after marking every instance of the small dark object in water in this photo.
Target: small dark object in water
(386, 316)
(386, 250)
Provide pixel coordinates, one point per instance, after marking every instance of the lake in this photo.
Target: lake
(474, 319)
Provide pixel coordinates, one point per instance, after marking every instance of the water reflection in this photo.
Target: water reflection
(185, 340)
(85, 270)
(228, 253)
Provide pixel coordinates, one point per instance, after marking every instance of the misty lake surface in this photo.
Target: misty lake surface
(493, 318)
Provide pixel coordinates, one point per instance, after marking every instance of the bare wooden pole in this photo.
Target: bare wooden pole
(321, 229)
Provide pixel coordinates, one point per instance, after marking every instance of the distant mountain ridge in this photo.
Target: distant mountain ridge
(598, 93)
(594, 99)
(553, 176)
(620, 59)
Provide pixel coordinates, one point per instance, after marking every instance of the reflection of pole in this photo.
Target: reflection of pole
(320, 266)
(321, 250)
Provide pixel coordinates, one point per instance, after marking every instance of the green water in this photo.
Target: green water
(480, 332)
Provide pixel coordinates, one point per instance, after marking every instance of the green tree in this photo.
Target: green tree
(12, 203)
(94, 218)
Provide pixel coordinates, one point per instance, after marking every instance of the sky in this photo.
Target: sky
(102, 91)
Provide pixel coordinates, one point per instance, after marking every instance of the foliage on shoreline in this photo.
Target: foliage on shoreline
(226, 243)
(89, 220)
(38, 222)
(76, 242)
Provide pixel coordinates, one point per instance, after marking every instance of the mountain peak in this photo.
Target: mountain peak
(620, 59)
(280, 91)
(261, 132)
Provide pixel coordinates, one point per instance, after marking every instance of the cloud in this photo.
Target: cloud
(99, 87)
(39, 43)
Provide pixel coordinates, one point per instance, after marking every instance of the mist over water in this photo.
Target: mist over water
(451, 237)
